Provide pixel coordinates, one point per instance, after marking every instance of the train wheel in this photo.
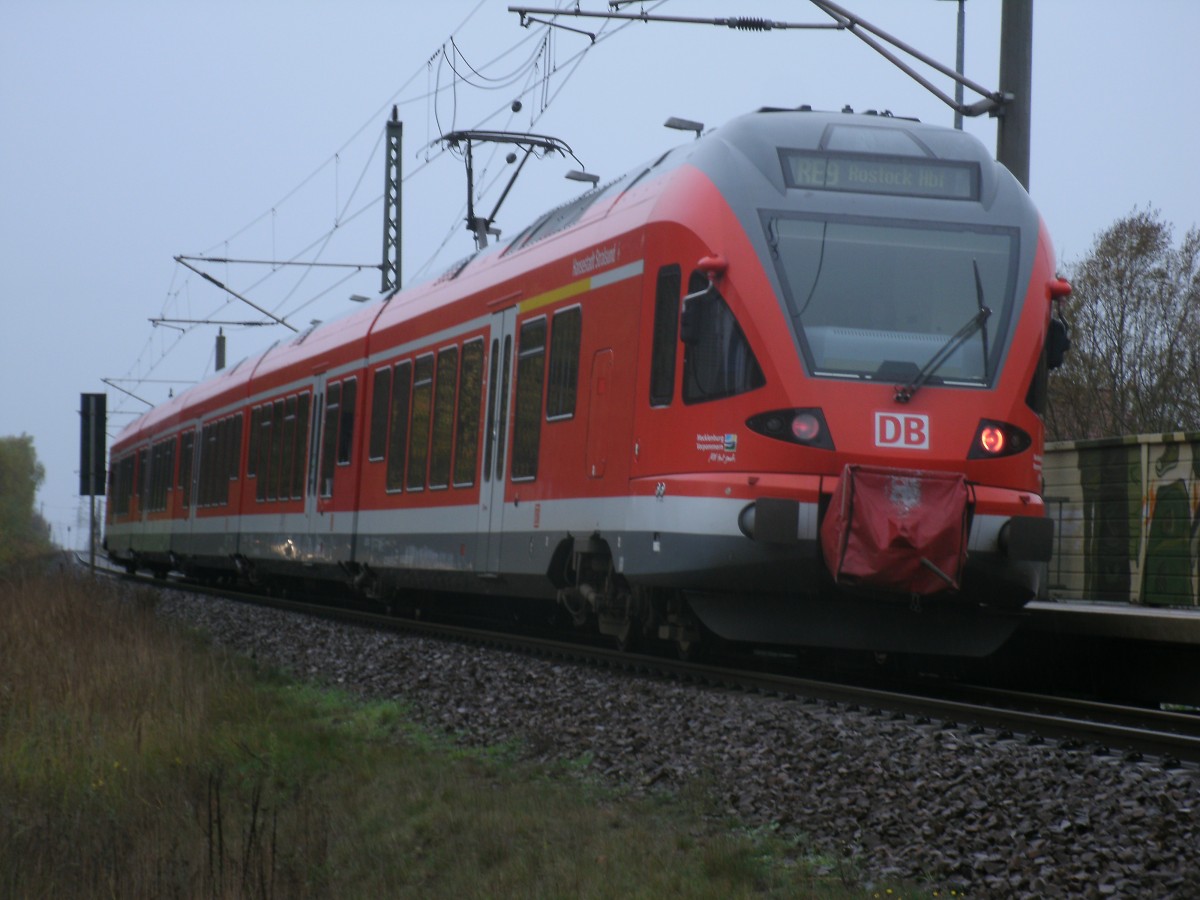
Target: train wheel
(627, 633)
(622, 618)
(689, 643)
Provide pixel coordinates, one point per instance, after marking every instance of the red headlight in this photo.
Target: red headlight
(994, 439)
(991, 439)
(806, 428)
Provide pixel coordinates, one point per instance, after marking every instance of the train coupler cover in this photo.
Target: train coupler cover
(897, 529)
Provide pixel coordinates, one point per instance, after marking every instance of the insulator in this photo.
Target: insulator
(751, 23)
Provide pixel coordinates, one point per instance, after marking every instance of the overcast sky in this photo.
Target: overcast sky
(132, 132)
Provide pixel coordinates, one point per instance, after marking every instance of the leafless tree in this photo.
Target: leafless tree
(1134, 317)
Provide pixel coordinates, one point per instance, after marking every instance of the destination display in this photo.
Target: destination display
(824, 171)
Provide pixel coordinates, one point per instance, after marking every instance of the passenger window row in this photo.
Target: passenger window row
(425, 427)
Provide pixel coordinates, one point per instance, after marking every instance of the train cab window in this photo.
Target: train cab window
(443, 417)
(880, 300)
(470, 397)
(346, 421)
(562, 384)
(398, 432)
(381, 398)
(418, 434)
(527, 405)
(666, 336)
(717, 359)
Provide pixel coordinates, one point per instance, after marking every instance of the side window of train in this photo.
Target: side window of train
(381, 398)
(262, 425)
(235, 447)
(346, 421)
(717, 359)
(185, 467)
(418, 434)
(253, 450)
(666, 336)
(272, 472)
(445, 392)
(143, 480)
(563, 382)
(301, 451)
(470, 398)
(162, 472)
(527, 412)
(287, 450)
(397, 441)
(123, 485)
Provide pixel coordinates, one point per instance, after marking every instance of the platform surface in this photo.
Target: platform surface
(1118, 620)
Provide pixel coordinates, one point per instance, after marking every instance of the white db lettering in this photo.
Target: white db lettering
(907, 432)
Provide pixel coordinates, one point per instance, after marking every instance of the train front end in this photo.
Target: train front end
(893, 286)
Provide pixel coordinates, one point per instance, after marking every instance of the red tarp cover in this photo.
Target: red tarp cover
(882, 523)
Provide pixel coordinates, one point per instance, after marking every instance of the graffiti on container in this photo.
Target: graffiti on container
(1171, 525)
(1108, 476)
(1127, 518)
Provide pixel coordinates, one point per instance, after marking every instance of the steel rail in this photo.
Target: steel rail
(1135, 732)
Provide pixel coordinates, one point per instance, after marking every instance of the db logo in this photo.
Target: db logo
(907, 432)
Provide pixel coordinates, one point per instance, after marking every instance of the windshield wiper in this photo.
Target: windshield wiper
(905, 392)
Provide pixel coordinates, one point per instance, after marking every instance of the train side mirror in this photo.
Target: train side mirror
(1058, 342)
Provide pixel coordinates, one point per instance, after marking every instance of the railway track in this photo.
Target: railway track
(1171, 738)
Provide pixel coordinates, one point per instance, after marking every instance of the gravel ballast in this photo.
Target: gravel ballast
(896, 800)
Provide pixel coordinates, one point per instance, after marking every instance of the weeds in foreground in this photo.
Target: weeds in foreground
(137, 762)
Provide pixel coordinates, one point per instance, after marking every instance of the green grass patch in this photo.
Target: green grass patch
(137, 762)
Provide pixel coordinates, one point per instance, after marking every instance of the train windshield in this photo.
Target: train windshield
(879, 300)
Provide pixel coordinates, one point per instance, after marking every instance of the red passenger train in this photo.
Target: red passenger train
(784, 384)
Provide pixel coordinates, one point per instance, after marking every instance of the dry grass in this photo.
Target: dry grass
(137, 762)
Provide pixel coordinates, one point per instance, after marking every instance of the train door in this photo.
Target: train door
(599, 427)
(316, 417)
(329, 502)
(182, 542)
(499, 392)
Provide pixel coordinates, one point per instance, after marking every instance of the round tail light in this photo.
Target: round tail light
(806, 427)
